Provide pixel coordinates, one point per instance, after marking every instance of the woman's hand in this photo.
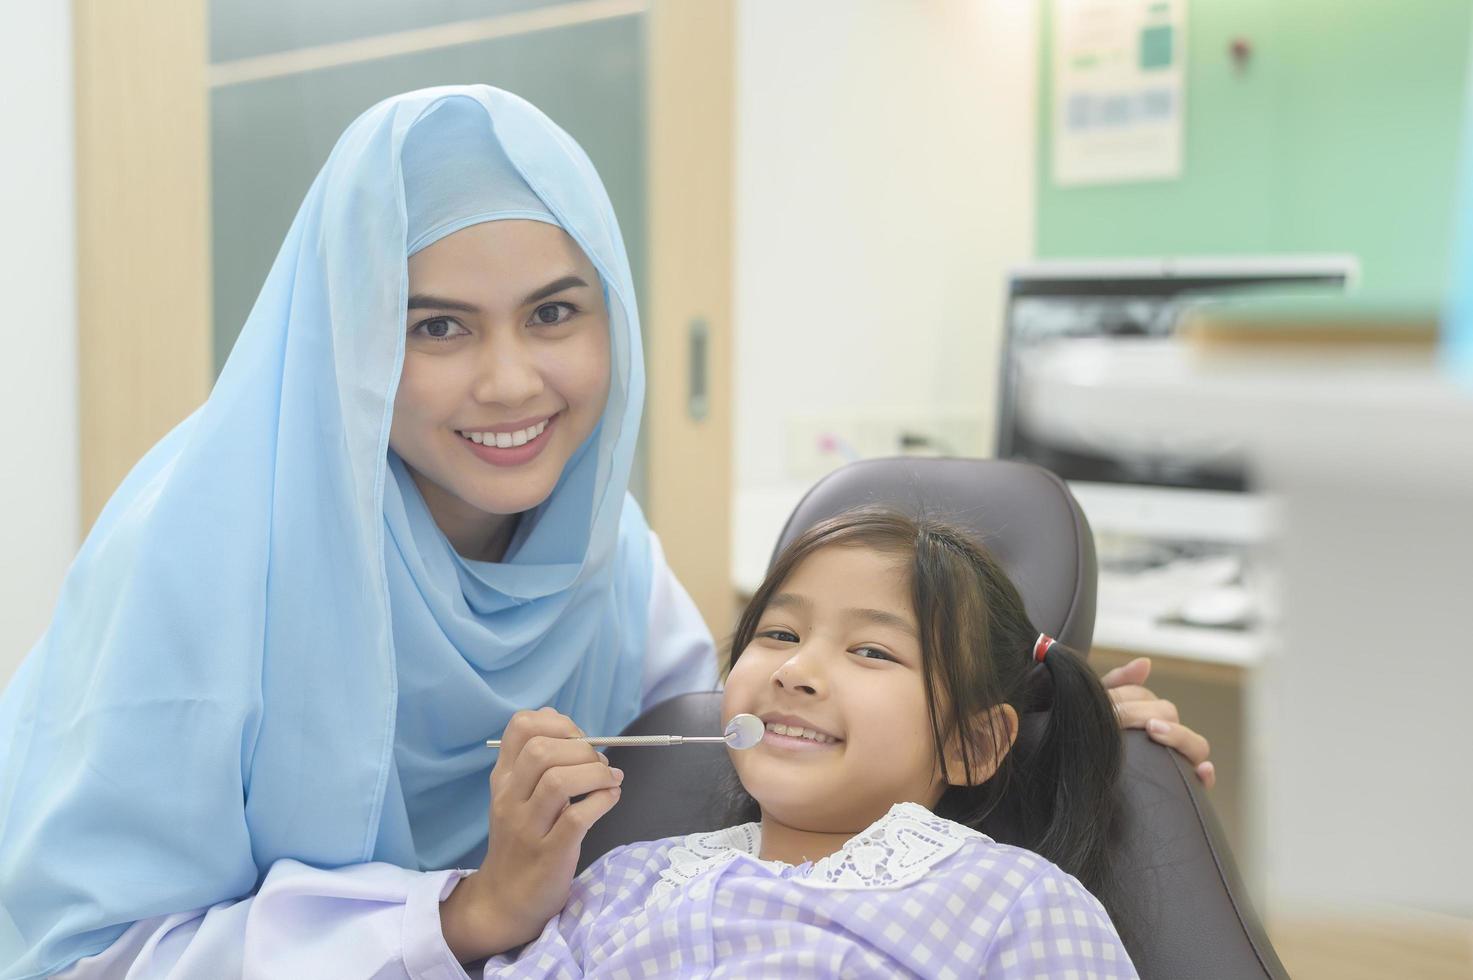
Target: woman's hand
(1138, 707)
(535, 833)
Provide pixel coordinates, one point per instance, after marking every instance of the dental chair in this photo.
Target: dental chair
(1188, 914)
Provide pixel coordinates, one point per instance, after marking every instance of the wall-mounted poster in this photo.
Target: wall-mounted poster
(1119, 90)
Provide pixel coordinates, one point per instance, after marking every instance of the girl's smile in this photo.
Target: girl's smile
(795, 734)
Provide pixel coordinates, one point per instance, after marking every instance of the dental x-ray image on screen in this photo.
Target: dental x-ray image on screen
(1096, 304)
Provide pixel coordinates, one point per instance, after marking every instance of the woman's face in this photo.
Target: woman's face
(836, 651)
(506, 372)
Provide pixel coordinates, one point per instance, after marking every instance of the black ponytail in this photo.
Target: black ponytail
(1055, 793)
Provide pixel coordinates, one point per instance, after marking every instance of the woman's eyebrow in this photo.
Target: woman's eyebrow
(423, 301)
(557, 286)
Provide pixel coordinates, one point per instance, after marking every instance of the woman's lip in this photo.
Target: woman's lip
(512, 455)
(514, 426)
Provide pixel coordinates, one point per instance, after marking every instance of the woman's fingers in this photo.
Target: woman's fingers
(1194, 747)
(538, 742)
(558, 786)
(527, 725)
(573, 823)
(543, 767)
(543, 756)
(1138, 707)
(1131, 692)
(535, 827)
(1137, 714)
(1133, 673)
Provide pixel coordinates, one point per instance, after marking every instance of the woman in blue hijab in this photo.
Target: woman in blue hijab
(399, 518)
(252, 740)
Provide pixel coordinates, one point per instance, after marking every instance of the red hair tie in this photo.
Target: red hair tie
(1041, 647)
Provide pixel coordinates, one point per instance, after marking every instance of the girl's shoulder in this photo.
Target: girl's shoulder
(908, 844)
(1015, 881)
(668, 863)
(650, 869)
(984, 864)
(911, 846)
(648, 859)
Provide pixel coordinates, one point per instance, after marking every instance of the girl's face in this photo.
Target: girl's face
(837, 653)
(506, 372)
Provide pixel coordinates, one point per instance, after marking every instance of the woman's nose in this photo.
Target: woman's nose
(508, 373)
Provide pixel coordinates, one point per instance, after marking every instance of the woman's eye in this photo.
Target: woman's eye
(549, 314)
(782, 636)
(439, 328)
(874, 653)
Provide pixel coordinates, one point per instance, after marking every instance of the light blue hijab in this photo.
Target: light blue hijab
(266, 648)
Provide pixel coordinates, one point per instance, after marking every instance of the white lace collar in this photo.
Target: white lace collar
(893, 851)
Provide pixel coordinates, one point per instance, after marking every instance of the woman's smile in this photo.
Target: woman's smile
(510, 445)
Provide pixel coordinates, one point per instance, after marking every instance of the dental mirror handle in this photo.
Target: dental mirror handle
(633, 740)
(742, 732)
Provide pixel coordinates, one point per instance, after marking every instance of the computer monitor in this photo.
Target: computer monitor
(1181, 491)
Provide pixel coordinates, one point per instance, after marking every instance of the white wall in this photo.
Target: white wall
(38, 397)
(885, 182)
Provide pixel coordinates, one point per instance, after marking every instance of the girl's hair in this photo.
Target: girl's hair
(1054, 792)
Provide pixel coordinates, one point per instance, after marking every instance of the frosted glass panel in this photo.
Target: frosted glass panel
(245, 30)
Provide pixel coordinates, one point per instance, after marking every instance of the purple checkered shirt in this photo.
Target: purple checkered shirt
(913, 895)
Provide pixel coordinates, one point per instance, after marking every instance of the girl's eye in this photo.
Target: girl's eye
(782, 636)
(439, 328)
(549, 314)
(875, 653)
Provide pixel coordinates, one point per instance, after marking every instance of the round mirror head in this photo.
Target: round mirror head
(744, 731)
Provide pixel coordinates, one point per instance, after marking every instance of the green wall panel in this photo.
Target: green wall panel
(1340, 136)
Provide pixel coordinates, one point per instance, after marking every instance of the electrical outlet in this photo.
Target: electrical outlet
(817, 444)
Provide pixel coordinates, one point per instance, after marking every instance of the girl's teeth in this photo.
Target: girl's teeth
(794, 731)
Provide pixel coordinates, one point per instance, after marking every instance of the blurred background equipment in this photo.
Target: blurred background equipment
(1352, 725)
(1174, 516)
(822, 202)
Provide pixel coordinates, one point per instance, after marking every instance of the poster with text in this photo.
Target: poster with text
(1119, 90)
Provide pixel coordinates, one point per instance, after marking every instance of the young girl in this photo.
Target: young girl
(894, 665)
